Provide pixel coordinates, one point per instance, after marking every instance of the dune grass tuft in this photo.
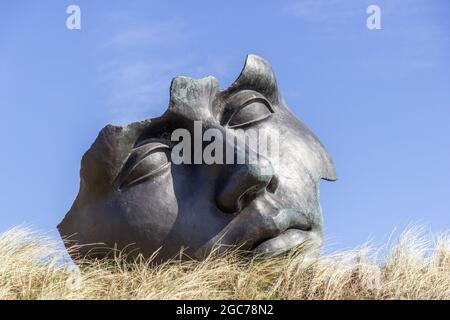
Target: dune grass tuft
(31, 268)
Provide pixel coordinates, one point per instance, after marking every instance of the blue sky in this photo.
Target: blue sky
(378, 99)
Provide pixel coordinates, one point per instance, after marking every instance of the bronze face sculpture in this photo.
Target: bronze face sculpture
(133, 197)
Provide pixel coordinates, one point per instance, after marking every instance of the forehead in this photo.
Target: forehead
(201, 99)
(257, 75)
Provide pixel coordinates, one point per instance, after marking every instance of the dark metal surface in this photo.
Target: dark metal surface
(133, 198)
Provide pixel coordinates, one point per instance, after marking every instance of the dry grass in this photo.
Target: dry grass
(30, 268)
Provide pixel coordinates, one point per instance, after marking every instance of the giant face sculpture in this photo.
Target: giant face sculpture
(134, 197)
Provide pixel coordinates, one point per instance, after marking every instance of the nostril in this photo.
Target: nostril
(238, 190)
(273, 184)
(242, 183)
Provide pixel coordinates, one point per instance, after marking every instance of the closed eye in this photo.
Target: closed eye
(253, 111)
(144, 162)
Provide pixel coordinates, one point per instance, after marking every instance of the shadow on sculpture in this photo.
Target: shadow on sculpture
(134, 196)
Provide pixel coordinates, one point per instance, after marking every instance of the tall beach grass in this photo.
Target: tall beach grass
(31, 267)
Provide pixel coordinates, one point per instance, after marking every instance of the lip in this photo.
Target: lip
(294, 229)
(262, 229)
(282, 243)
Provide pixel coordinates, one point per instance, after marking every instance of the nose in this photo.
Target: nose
(240, 183)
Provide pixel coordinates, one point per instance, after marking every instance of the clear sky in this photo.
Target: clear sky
(378, 99)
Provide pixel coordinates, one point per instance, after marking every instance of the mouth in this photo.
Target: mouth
(282, 243)
(292, 229)
(263, 230)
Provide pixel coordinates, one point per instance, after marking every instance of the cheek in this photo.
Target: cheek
(149, 209)
(296, 181)
(198, 218)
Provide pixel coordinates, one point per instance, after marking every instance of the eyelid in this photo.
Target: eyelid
(125, 184)
(256, 99)
(250, 101)
(241, 99)
(137, 156)
(141, 153)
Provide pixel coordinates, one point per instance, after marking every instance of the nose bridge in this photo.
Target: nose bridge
(248, 174)
(193, 99)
